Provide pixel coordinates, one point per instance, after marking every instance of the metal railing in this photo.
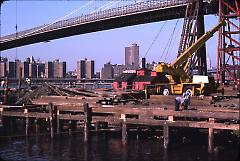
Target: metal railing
(97, 16)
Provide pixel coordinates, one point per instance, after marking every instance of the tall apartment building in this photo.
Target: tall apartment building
(85, 69)
(90, 69)
(107, 71)
(55, 69)
(3, 71)
(81, 69)
(132, 56)
(18, 69)
(25, 69)
(33, 70)
(40, 70)
(11, 69)
(49, 70)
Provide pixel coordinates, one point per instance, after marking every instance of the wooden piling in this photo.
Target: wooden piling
(36, 121)
(5, 100)
(58, 123)
(97, 124)
(26, 126)
(210, 136)
(26, 120)
(50, 107)
(87, 121)
(165, 136)
(124, 132)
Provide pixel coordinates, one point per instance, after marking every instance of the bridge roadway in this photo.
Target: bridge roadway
(139, 13)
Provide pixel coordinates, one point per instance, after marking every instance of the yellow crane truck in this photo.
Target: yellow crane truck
(179, 80)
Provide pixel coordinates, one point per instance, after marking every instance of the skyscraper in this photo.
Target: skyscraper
(49, 70)
(132, 56)
(90, 69)
(2, 69)
(55, 69)
(25, 69)
(11, 69)
(85, 69)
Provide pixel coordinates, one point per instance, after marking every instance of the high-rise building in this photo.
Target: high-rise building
(90, 69)
(25, 69)
(107, 71)
(85, 69)
(132, 56)
(55, 69)
(11, 69)
(59, 69)
(33, 70)
(81, 69)
(3, 71)
(40, 70)
(18, 68)
(49, 70)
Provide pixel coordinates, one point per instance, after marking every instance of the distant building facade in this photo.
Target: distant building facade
(107, 71)
(85, 69)
(132, 56)
(2, 69)
(59, 69)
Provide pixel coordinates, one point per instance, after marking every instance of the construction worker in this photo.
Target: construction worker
(182, 101)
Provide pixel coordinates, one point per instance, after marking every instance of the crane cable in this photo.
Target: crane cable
(172, 58)
(155, 38)
(166, 49)
(170, 41)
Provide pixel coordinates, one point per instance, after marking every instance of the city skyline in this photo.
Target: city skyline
(101, 46)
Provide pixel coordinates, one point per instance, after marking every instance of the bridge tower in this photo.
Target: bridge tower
(228, 67)
(193, 28)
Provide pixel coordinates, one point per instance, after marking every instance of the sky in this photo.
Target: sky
(103, 46)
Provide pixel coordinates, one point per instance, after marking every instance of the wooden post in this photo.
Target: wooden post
(124, 132)
(50, 107)
(54, 115)
(1, 117)
(58, 123)
(87, 120)
(36, 125)
(26, 126)
(165, 136)
(5, 99)
(210, 136)
(97, 125)
(138, 132)
(26, 121)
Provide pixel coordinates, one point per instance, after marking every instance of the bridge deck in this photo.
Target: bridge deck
(139, 13)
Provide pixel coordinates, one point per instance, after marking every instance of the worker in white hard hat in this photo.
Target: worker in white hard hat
(182, 101)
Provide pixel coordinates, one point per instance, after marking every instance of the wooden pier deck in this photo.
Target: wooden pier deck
(90, 115)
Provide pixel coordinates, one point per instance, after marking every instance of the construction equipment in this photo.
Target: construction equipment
(179, 80)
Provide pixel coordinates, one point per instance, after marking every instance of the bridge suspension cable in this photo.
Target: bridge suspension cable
(64, 17)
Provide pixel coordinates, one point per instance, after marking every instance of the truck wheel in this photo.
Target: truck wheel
(188, 89)
(165, 91)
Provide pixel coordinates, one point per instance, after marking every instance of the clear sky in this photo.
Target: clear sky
(101, 46)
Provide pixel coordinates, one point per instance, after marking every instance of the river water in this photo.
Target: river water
(108, 146)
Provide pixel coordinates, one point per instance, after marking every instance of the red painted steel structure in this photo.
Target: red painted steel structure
(228, 61)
